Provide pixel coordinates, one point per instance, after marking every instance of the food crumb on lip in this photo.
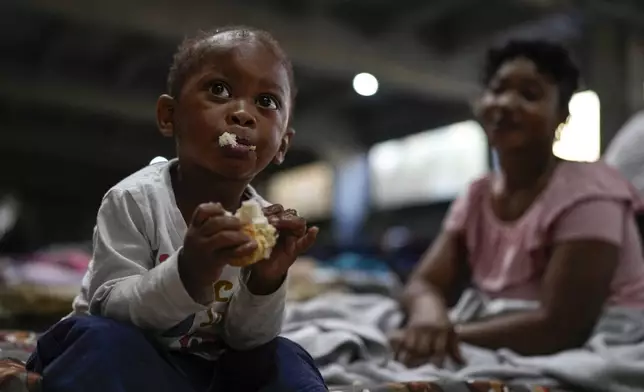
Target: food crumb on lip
(230, 139)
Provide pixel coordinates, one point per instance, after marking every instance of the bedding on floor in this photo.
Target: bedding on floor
(347, 335)
(15, 347)
(42, 283)
(14, 378)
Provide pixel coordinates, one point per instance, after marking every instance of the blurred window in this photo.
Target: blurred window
(429, 166)
(307, 189)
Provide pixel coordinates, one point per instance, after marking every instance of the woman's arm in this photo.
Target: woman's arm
(428, 334)
(575, 286)
(438, 280)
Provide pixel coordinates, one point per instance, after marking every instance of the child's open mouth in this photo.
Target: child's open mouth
(230, 140)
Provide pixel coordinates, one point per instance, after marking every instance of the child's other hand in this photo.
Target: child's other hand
(295, 238)
(214, 238)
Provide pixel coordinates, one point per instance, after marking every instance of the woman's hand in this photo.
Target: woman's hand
(424, 339)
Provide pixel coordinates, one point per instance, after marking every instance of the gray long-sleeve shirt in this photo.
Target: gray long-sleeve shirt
(133, 275)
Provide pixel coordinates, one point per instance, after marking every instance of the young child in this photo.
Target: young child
(160, 308)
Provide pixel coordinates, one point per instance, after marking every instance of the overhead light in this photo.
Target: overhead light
(365, 84)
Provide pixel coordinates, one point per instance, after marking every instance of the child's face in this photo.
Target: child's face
(242, 88)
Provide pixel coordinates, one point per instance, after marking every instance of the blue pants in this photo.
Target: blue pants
(88, 353)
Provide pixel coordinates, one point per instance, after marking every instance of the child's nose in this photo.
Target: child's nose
(242, 118)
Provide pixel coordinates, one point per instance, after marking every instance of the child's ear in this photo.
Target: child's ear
(165, 115)
(285, 144)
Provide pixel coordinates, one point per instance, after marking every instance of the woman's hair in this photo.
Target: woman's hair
(551, 59)
(191, 52)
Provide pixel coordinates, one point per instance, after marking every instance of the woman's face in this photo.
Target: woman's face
(520, 108)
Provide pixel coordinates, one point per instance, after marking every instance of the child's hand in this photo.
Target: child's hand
(214, 238)
(295, 238)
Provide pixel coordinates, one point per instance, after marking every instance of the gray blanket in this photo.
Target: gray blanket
(347, 335)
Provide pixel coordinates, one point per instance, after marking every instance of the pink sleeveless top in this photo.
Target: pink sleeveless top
(582, 201)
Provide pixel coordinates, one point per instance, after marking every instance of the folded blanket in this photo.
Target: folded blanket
(346, 334)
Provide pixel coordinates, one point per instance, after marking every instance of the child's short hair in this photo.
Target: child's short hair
(190, 54)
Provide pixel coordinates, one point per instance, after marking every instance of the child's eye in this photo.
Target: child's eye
(219, 90)
(267, 102)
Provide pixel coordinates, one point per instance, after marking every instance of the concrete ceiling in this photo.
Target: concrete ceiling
(79, 78)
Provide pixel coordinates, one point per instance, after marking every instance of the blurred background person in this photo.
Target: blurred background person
(626, 151)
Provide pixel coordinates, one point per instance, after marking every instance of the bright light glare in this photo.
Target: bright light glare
(580, 138)
(365, 84)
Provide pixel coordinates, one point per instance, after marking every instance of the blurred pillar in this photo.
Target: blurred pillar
(337, 142)
(351, 199)
(606, 74)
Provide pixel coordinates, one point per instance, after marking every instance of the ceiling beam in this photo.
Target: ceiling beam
(407, 23)
(321, 133)
(628, 13)
(116, 151)
(313, 42)
(561, 26)
(429, 13)
(38, 89)
(79, 147)
(57, 176)
(558, 27)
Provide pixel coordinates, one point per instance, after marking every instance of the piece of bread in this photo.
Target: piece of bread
(257, 227)
(227, 139)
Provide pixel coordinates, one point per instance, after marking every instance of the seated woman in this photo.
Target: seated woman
(542, 229)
